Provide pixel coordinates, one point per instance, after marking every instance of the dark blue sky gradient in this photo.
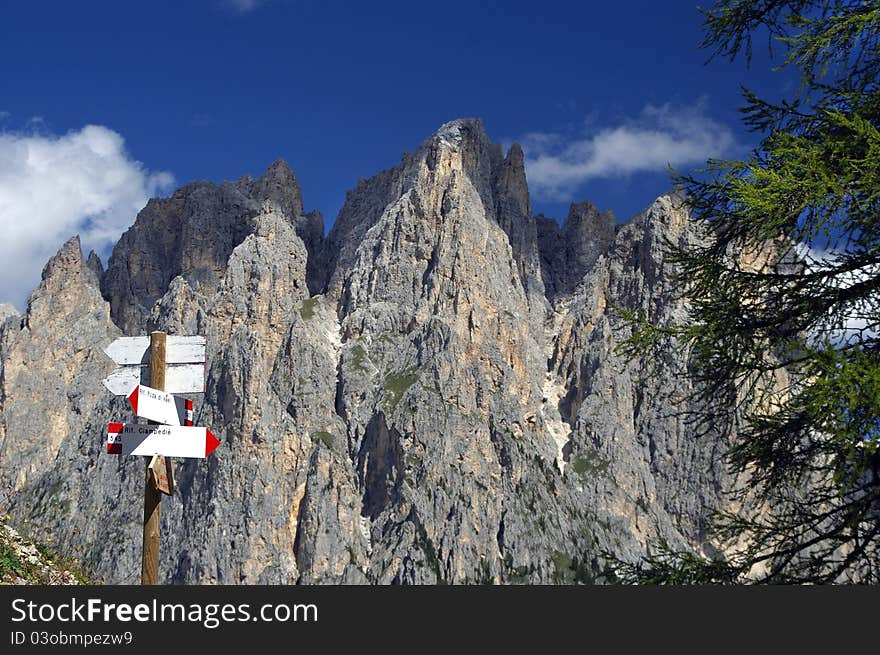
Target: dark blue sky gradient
(340, 90)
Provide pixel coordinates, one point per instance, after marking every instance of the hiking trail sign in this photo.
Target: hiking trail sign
(184, 364)
(167, 440)
(149, 370)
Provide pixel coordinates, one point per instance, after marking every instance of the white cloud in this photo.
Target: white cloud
(857, 321)
(52, 187)
(662, 135)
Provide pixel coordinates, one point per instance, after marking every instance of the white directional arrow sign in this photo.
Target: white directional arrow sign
(178, 350)
(179, 378)
(159, 406)
(184, 370)
(168, 440)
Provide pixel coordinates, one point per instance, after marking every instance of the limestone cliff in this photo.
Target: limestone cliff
(430, 394)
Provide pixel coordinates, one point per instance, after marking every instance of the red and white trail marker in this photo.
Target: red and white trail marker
(168, 440)
(156, 405)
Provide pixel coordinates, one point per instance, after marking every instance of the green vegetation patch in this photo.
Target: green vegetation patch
(396, 384)
(515, 574)
(561, 564)
(76, 569)
(325, 438)
(590, 463)
(424, 543)
(47, 566)
(307, 309)
(568, 570)
(10, 563)
(359, 358)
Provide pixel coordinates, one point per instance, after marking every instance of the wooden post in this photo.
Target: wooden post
(152, 496)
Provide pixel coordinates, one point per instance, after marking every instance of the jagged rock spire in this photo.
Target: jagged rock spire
(428, 417)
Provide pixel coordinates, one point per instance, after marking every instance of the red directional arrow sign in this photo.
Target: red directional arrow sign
(168, 440)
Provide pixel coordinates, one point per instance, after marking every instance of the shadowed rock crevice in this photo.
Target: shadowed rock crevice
(380, 466)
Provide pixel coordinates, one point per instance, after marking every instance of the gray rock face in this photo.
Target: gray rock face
(430, 394)
(7, 311)
(43, 404)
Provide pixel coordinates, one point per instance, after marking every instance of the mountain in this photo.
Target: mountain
(430, 394)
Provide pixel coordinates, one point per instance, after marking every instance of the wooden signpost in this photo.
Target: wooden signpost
(152, 495)
(172, 364)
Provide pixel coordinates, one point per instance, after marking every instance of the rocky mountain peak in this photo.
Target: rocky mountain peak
(68, 287)
(193, 234)
(668, 213)
(94, 264)
(279, 171)
(51, 355)
(516, 155)
(66, 263)
(512, 179)
(588, 234)
(462, 147)
(396, 403)
(569, 252)
(460, 133)
(280, 185)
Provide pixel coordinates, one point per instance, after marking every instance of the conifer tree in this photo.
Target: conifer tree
(784, 290)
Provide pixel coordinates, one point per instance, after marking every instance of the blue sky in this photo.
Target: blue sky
(601, 95)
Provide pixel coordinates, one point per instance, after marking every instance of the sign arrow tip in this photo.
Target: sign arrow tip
(133, 398)
(211, 442)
